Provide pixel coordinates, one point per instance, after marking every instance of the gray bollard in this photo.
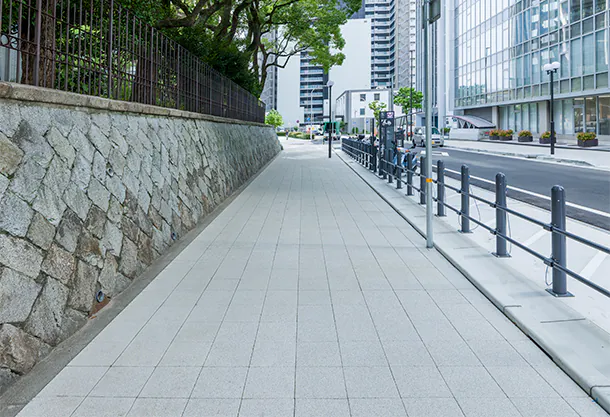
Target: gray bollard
(409, 173)
(558, 221)
(383, 165)
(440, 187)
(398, 171)
(465, 199)
(390, 166)
(422, 179)
(501, 251)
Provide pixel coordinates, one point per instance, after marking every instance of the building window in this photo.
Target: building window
(362, 97)
(604, 115)
(601, 46)
(377, 96)
(590, 114)
(588, 49)
(362, 111)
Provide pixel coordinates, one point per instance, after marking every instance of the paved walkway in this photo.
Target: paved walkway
(308, 296)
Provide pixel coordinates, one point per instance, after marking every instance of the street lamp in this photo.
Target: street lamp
(551, 69)
(330, 84)
(311, 113)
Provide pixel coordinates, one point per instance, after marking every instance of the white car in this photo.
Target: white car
(419, 136)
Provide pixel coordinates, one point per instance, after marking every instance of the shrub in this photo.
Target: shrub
(508, 132)
(494, 132)
(446, 130)
(586, 135)
(545, 135)
(525, 133)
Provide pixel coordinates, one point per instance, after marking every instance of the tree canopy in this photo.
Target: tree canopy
(274, 118)
(408, 99)
(377, 107)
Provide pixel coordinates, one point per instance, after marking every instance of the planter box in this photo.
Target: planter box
(494, 137)
(525, 139)
(545, 141)
(587, 143)
(506, 138)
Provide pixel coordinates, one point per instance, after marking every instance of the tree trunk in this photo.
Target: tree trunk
(44, 69)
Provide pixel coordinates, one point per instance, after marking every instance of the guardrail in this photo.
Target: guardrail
(367, 155)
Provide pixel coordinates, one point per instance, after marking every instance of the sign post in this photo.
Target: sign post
(387, 138)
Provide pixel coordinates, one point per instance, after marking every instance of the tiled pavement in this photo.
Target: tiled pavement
(308, 296)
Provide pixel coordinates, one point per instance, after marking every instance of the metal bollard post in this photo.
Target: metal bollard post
(501, 251)
(383, 165)
(422, 179)
(558, 221)
(374, 158)
(409, 173)
(398, 171)
(390, 166)
(440, 190)
(465, 199)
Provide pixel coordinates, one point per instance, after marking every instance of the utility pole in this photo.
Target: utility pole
(331, 125)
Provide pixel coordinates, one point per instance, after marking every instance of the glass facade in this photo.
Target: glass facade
(501, 47)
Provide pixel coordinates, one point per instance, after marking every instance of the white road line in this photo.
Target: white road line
(535, 237)
(598, 212)
(593, 265)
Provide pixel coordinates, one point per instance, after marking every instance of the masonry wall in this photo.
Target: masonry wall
(91, 193)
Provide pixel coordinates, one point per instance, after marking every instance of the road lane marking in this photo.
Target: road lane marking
(593, 265)
(521, 190)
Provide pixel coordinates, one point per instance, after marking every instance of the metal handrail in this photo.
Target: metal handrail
(557, 226)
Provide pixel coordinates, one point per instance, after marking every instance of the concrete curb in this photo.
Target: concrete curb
(602, 148)
(573, 360)
(527, 156)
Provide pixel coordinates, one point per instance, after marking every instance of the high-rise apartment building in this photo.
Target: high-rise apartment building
(496, 51)
(383, 41)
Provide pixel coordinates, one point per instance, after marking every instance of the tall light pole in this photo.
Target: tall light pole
(551, 69)
(311, 113)
(330, 84)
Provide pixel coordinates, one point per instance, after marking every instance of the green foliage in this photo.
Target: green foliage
(525, 133)
(274, 118)
(583, 136)
(408, 99)
(545, 135)
(377, 107)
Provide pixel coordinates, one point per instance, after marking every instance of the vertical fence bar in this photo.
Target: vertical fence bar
(373, 158)
(440, 188)
(398, 170)
(383, 167)
(465, 199)
(409, 173)
(390, 165)
(558, 221)
(422, 179)
(501, 251)
(37, 40)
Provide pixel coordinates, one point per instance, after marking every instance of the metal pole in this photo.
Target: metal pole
(330, 121)
(390, 165)
(501, 251)
(422, 181)
(409, 173)
(552, 116)
(558, 221)
(465, 199)
(428, 165)
(398, 171)
(440, 190)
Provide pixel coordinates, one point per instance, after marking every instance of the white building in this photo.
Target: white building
(353, 108)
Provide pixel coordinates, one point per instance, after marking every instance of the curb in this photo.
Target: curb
(603, 148)
(586, 376)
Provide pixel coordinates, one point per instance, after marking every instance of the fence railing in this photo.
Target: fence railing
(99, 48)
(367, 155)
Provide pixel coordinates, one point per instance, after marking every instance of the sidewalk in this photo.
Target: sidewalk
(310, 296)
(587, 157)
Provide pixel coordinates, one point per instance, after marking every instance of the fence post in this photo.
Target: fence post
(422, 179)
(558, 221)
(374, 158)
(409, 173)
(369, 155)
(391, 166)
(383, 167)
(465, 190)
(440, 187)
(398, 170)
(501, 251)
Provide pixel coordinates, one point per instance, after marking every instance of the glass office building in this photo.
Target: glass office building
(501, 47)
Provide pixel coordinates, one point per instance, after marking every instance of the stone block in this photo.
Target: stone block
(155, 217)
(76, 199)
(73, 320)
(34, 145)
(129, 259)
(130, 229)
(98, 194)
(38, 115)
(99, 140)
(117, 161)
(113, 238)
(18, 350)
(96, 220)
(17, 296)
(146, 254)
(47, 315)
(15, 215)
(80, 142)
(4, 182)
(82, 293)
(144, 222)
(115, 211)
(61, 146)
(49, 201)
(41, 232)
(68, 231)
(7, 377)
(59, 264)
(112, 281)
(81, 172)
(9, 118)
(118, 139)
(144, 199)
(116, 187)
(10, 156)
(20, 255)
(27, 180)
(99, 167)
(90, 250)
(159, 242)
(103, 121)
(131, 180)
(130, 205)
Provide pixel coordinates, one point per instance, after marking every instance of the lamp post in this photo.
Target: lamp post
(330, 84)
(311, 113)
(551, 69)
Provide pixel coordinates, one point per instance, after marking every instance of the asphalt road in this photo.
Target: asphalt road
(583, 186)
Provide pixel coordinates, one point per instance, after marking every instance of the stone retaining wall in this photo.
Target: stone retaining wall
(91, 195)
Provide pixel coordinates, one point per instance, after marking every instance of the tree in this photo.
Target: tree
(377, 107)
(274, 118)
(408, 99)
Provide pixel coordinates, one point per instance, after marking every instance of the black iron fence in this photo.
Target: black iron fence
(367, 155)
(99, 48)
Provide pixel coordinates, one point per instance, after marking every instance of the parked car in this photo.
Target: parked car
(419, 136)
